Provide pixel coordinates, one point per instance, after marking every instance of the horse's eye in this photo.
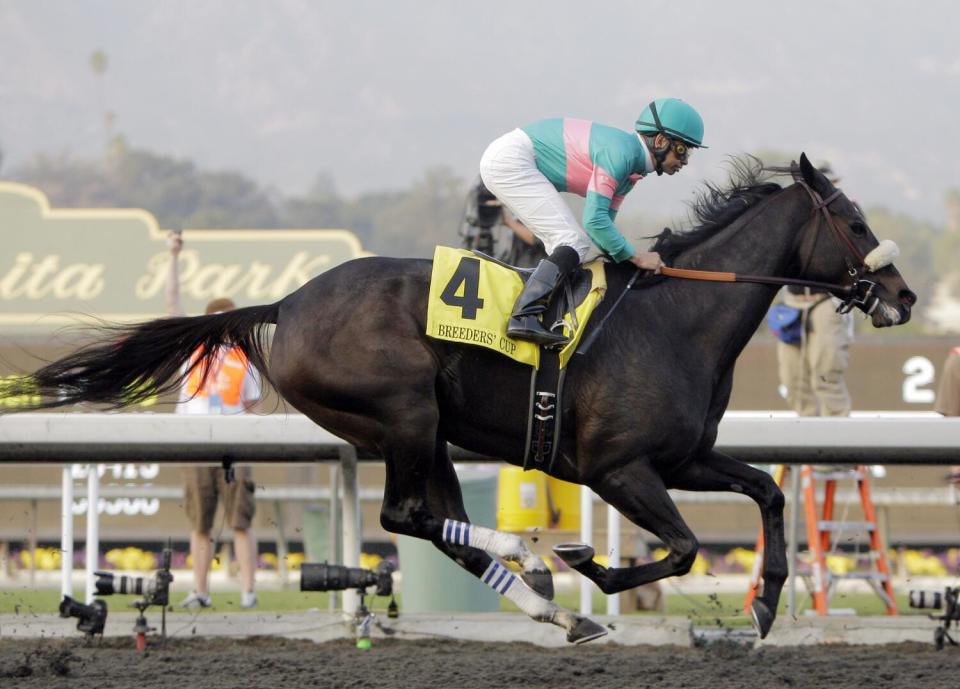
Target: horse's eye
(858, 227)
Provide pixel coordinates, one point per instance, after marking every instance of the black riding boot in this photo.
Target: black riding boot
(524, 322)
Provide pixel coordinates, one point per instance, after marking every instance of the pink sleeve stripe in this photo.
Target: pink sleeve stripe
(602, 182)
(576, 143)
(618, 198)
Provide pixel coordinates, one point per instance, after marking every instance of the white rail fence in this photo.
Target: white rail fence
(96, 438)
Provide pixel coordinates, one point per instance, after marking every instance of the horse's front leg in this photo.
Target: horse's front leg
(714, 471)
(638, 492)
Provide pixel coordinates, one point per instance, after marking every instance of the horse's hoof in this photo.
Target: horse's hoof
(574, 553)
(585, 630)
(541, 581)
(762, 617)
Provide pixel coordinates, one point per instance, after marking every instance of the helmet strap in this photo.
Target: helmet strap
(659, 154)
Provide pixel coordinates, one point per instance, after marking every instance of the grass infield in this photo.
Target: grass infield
(699, 607)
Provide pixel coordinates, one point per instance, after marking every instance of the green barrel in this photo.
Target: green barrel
(432, 582)
(316, 534)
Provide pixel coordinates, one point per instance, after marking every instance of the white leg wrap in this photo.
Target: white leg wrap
(507, 546)
(494, 542)
(508, 585)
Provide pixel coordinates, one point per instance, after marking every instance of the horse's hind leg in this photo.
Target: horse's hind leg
(470, 546)
(638, 492)
(718, 472)
(446, 502)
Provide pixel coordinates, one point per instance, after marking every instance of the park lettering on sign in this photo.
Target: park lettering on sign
(61, 264)
(36, 277)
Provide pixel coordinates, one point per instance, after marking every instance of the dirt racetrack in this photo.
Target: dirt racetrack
(276, 662)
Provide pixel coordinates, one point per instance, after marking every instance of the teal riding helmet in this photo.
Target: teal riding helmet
(673, 118)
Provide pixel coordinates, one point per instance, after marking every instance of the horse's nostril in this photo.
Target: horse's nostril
(907, 297)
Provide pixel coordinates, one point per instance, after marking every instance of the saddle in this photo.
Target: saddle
(546, 380)
(570, 293)
(471, 297)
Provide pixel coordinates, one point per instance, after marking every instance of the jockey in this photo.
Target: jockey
(528, 167)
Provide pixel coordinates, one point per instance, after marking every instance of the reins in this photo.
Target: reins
(709, 276)
(858, 292)
(720, 276)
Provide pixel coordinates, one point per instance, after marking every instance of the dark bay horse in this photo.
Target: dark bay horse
(641, 409)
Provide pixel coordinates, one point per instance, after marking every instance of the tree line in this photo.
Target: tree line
(406, 222)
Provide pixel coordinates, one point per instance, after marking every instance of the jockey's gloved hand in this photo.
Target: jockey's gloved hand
(647, 260)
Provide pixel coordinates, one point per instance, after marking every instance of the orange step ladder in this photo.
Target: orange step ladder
(820, 537)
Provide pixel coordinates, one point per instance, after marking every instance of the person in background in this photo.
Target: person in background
(813, 369)
(526, 251)
(231, 387)
(483, 215)
(948, 396)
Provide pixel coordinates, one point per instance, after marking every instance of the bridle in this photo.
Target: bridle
(858, 293)
(860, 290)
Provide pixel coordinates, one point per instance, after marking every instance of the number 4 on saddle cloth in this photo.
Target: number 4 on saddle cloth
(471, 296)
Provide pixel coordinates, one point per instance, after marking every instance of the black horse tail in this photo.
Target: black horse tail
(127, 364)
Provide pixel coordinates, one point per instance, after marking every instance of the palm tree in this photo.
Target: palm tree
(99, 63)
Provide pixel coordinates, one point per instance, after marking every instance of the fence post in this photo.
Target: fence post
(793, 545)
(93, 530)
(613, 554)
(352, 534)
(586, 536)
(66, 532)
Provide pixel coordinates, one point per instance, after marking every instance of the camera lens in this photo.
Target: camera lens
(109, 584)
(130, 585)
(324, 577)
(926, 599)
(104, 584)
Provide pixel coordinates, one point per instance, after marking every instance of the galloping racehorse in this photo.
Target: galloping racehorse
(640, 410)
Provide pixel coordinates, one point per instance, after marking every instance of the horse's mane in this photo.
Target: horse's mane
(715, 207)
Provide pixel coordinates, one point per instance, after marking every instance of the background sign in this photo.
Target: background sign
(111, 263)
(887, 373)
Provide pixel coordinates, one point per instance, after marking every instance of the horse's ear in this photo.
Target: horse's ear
(807, 170)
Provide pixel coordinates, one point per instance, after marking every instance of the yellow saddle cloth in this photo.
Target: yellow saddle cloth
(471, 298)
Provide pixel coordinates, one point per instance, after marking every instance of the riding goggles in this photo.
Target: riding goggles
(680, 149)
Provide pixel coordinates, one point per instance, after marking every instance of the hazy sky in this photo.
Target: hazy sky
(374, 92)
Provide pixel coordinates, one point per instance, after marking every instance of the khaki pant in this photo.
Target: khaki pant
(205, 486)
(813, 371)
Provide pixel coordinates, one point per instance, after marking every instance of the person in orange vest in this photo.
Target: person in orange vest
(231, 387)
(948, 395)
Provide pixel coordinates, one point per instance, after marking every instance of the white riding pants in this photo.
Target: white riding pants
(508, 168)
